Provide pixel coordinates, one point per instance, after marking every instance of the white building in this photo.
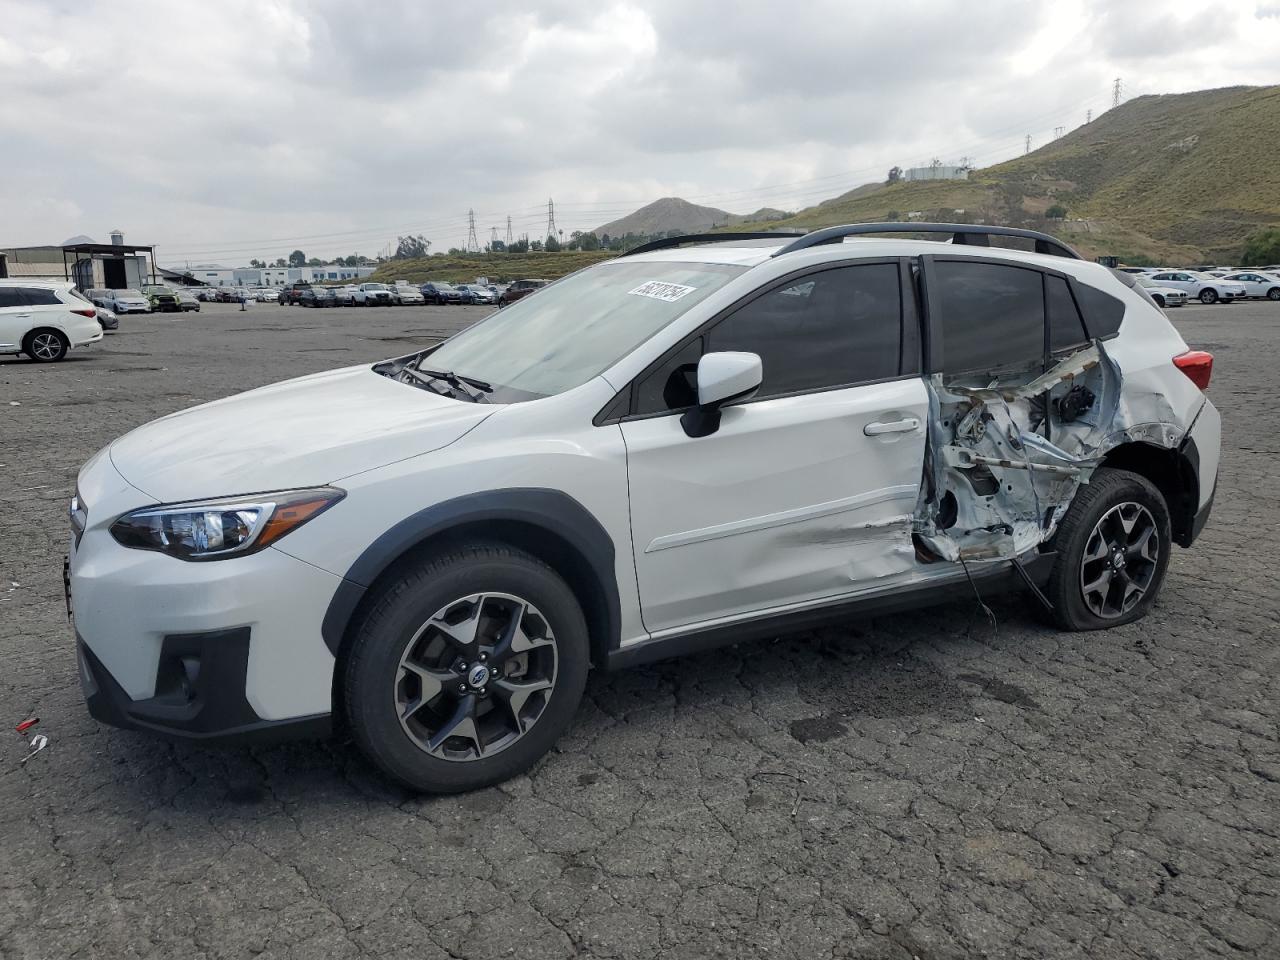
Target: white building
(940, 172)
(215, 275)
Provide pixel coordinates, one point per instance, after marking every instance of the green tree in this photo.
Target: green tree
(297, 259)
(258, 264)
(552, 245)
(1262, 248)
(590, 241)
(1056, 212)
(535, 246)
(411, 247)
(281, 262)
(315, 262)
(893, 216)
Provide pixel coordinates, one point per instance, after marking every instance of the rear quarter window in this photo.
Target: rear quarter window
(1102, 312)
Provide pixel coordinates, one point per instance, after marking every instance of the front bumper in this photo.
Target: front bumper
(225, 648)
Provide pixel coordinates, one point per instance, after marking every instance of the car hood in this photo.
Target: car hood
(300, 433)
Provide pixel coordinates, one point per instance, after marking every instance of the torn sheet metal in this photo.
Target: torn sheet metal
(1005, 458)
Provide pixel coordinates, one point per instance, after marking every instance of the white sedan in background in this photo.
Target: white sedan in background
(126, 301)
(1256, 283)
(1162, 295)
(408, 295)
(1203, 286)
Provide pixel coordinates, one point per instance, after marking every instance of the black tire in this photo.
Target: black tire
(1159, 301)
(1208, 296)
(399, 613)
(1107, 490)
(45, 345)
(1273, 293)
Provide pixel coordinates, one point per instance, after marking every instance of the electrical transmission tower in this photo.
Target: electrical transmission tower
(1058, 132)
(493, 238)
(1117, 90)
(473, 245)
(509, 237)
(551, 217)
(1027, 148)
(1088, 116)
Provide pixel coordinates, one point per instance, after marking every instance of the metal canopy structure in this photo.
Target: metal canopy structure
(80, 252)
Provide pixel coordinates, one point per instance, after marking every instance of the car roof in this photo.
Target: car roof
(48, 284)
(753, 252)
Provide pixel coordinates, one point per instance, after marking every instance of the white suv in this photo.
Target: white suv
(683, 447)
(45, 319)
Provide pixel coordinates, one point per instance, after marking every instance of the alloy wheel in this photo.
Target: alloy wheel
(1120, 560)
(476, 676)
(46, 346)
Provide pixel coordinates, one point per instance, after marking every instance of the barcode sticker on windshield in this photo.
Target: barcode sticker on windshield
(659, 290)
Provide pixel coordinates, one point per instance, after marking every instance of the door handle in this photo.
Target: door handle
(905, 425)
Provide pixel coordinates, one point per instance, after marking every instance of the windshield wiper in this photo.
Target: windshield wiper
(473, 389)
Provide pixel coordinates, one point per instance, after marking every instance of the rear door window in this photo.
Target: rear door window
(40, 297)
(991, 316)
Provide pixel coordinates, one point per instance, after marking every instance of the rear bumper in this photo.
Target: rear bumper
(1200, 451)
(199, 694)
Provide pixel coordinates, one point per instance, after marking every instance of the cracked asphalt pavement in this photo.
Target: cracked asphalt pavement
(916, 786)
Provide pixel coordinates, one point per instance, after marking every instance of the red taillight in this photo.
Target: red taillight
(87, 312)
(1197, 365)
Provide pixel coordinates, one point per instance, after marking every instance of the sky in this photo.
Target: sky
(224, 131)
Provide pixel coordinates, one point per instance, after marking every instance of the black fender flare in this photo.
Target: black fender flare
(556, 513)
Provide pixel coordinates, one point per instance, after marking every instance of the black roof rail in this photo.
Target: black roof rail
(970, 234)
(666, 242)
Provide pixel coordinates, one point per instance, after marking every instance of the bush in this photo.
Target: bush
(1262, 248)
(1056, 212)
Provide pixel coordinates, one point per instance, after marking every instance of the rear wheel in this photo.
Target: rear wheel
(466, 669)
(1113, 551)
(45, 346)
(1209, 296)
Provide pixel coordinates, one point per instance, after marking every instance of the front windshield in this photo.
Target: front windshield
(577, 328)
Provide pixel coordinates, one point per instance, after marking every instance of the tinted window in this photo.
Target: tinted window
(992, 316)
(674, 385)
(40, 296)
(1066, 328)
(1102, 312)
(9, 297)
(838, 327)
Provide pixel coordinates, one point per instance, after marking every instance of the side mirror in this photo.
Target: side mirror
(723, 378)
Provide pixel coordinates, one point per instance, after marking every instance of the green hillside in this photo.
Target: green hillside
(1179, 178)
(496, 266)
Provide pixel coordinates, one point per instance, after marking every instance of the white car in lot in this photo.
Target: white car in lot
(1162, 295)
(45, 320)
(127, 301)
(1257, 284)
(676, 449)
(1202, 286)
(372, 295)
(408, 295)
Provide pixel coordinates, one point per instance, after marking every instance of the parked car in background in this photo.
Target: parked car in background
(127, 301)
(292, 291)
(317, 297)
(409, 296)
(372, 295)
(474, 293)
(1202, 286)
(206, 294)
(45, 319)
(1162, 295)
(520, 289)
(440, 293)
(107, 319)
(99, 295)
(344, 295)
(163, 299)
(1256, 283)
(187, 300)
(264, 294)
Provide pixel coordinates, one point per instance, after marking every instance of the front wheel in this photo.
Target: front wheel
(1113, 551)
(1273, 293)
(1209, 296)
(1159, 301)
(466, 669)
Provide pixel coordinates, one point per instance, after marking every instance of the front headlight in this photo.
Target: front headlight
(216, 529)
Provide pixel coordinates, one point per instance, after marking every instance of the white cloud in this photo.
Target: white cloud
(246, 128)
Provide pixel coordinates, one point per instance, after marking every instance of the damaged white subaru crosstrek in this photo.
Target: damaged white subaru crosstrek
(683, 447)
